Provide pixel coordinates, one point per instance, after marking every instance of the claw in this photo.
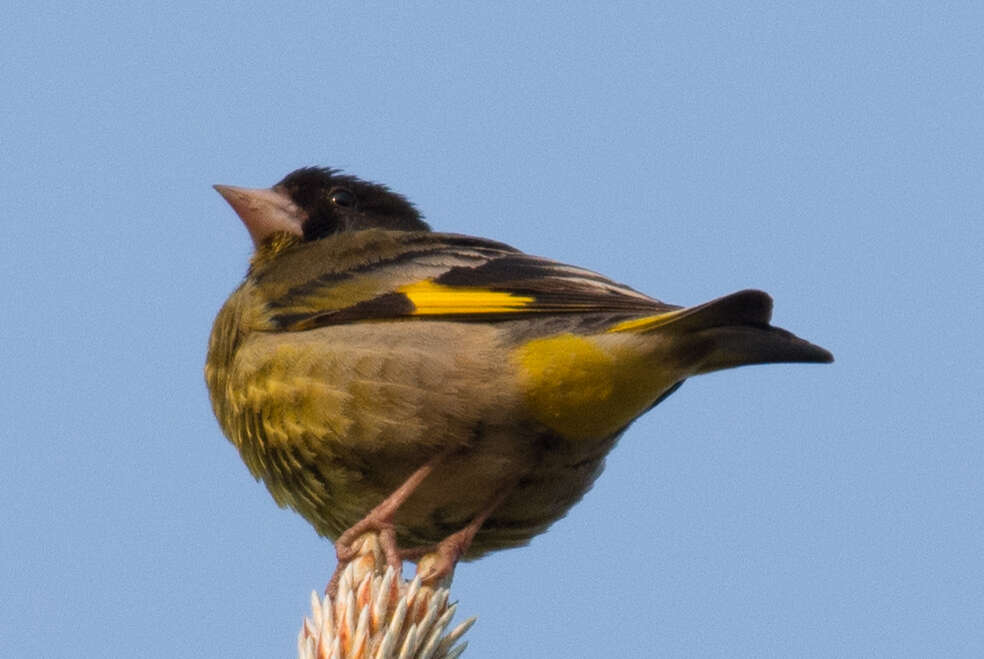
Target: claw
(441, 558)
(380, 521)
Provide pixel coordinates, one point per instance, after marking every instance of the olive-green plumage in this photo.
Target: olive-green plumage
(361, 344)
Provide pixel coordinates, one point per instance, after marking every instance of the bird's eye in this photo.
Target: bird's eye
(342, 197)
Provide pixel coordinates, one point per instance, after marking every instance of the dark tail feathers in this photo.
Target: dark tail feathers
(734, 331)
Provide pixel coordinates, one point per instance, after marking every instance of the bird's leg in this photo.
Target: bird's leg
(450, 550)
(380, 520)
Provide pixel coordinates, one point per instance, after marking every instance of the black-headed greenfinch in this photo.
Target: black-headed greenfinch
(363, 349)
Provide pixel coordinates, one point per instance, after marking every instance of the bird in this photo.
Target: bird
(449, 392)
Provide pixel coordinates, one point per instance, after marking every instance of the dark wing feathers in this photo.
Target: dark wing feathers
(451, 277)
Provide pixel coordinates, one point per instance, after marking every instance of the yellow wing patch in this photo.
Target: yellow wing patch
(647, 323)
(435, 299)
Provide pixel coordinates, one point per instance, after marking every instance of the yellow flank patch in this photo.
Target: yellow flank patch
(581, 387)
(647, 323)
(429, 299)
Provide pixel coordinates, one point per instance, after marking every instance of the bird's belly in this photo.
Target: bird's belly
(333, 425)
(543, 474)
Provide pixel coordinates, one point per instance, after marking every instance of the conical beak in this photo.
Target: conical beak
(264, 211)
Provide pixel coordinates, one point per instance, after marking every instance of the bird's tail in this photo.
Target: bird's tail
(730, 331)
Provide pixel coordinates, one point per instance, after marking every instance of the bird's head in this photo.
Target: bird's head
(313, 203)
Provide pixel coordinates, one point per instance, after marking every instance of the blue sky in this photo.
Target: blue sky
(830, 155)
